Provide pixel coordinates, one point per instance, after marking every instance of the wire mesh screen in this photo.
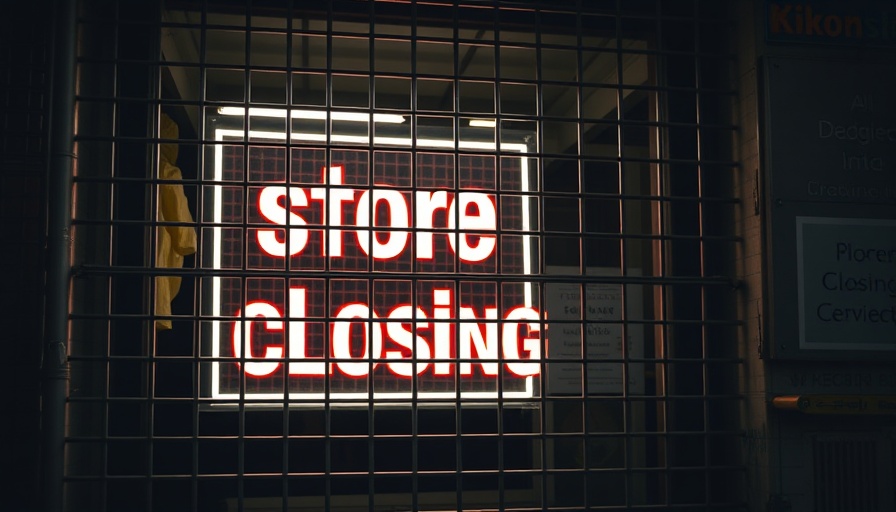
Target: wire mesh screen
(404, 256)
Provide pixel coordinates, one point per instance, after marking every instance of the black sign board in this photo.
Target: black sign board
(830, 152)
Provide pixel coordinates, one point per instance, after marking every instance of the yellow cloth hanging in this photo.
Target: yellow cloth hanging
(172, 242)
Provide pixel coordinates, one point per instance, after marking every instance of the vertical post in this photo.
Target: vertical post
(54, 366)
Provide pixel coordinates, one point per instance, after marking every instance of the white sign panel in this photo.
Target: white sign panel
(593, 323)
(847, 283)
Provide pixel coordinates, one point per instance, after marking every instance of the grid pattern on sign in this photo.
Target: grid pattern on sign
(353, 170)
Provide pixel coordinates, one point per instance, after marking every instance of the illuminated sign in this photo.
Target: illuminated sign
(273, 200)
(832, 22)
(350, 274)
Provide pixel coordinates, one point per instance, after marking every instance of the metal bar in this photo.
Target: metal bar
(647, 238)
(54, 365)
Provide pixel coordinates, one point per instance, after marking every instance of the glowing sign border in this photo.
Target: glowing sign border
(378, 141)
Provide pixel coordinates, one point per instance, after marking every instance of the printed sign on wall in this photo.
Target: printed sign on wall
(847, 283)
(591, 344)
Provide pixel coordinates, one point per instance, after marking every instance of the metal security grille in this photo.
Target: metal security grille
(404, 256)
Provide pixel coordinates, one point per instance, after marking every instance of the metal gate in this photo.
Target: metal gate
(404, 256)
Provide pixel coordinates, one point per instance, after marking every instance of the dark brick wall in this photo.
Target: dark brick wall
(25, 43)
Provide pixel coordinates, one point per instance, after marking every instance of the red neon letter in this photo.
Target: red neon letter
(341, 340)
(255, 310)
(332, 209)
(407, 339)
(441, 337)
(398, 218)
(485, 219)
(510, 340)
(427, 204)
(270, 209)
(297, 337)
(471, 336)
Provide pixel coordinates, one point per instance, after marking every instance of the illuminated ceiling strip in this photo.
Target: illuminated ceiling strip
(279, 113)
(364, 139)
(482, 123)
